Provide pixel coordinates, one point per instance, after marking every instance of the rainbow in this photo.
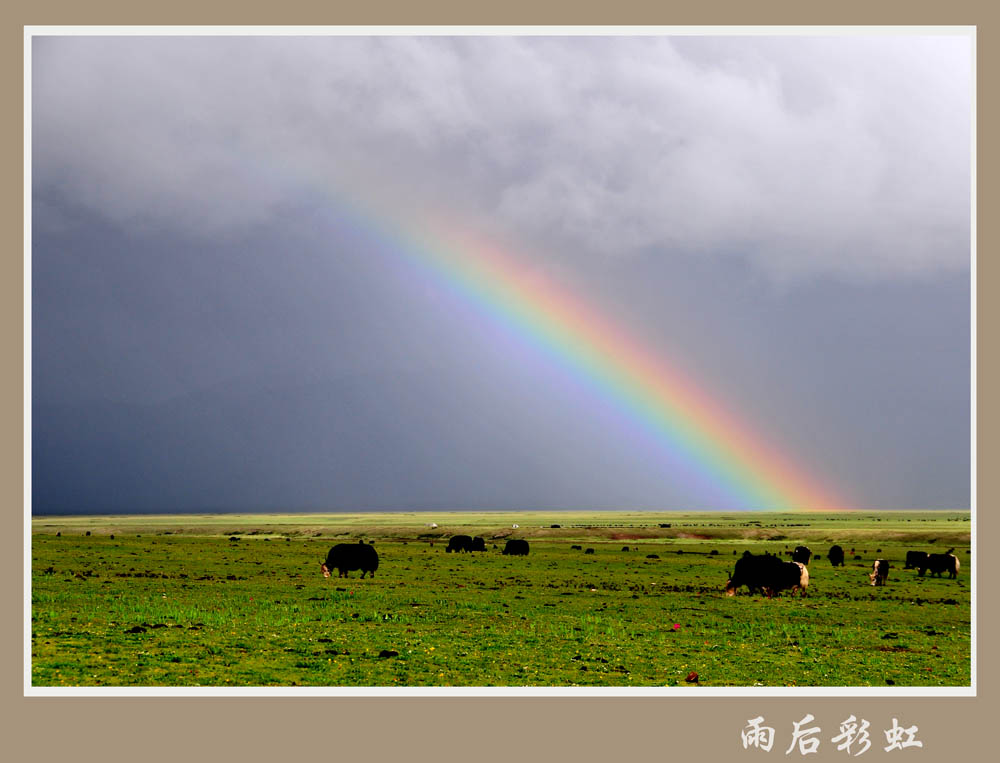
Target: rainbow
(709, 443)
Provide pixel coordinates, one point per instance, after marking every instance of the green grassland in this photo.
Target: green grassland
(239, 600)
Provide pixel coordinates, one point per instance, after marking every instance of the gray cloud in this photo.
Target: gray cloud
(807, 156)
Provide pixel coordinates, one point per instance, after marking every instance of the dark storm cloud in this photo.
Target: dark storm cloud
(785, 219)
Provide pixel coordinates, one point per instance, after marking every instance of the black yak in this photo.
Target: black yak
(801, 554)
(914, 559)
(459, 543)
(516, 547)
(938, 563)
(768, 574)
(345, 557)
(836, 556)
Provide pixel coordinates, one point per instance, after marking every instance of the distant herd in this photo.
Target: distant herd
(766, 573)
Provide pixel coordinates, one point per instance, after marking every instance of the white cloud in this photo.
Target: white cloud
(826, 155)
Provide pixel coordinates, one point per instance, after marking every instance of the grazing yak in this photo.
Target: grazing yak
(459, 543)
(478, 544)
(748, 571)
(938, 563)
(914, 559)
(516, 547)
(836, 556)
(801, 554)
(880, 572)
(350, 556)
(589, 551)
(767, 574)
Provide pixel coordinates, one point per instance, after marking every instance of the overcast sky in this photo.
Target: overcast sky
(215, 326)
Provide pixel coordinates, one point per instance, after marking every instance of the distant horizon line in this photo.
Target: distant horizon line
(302, 512)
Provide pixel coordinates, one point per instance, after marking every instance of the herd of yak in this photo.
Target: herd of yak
(345, 557)
(760, 573)
(770, 574)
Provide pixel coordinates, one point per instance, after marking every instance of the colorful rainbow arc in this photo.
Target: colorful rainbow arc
(712, 443)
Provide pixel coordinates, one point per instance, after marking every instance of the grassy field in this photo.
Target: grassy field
(239, 600)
